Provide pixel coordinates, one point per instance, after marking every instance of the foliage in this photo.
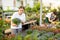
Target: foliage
(16, 21)
(35, 8)
(35, 35)
(1, 10)
(49, 34)
(58, 25)
(1, 35)
(57, 35)
(3, 26)
(42, 32)
(29, 31)
(42, 38)
(28, 8)
(27, 37)
(12, 37)
(51, 38)
(1, 23)
(45, 10)
(19, 37)
(44, 35)
(58, 15)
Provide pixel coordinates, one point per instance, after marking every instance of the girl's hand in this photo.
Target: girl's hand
(13, 24)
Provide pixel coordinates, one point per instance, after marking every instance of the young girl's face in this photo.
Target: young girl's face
(21, 10)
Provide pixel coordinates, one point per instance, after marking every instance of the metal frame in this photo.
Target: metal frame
(40, 12)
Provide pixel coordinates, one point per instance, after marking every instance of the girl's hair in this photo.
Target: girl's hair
(21, 7)
(55, 12)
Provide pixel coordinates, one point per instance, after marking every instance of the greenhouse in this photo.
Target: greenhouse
(29, 19)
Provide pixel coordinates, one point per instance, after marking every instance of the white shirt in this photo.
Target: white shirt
(48, 15)
(21, 17)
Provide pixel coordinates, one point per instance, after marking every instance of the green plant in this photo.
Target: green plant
(29, 31)
(1, 10)
(42, 32)
(37, 5)
(34, 9)
(19, 37)
(49, 34)
(42, 38)
(12, 37)
(16, 21)
(35, 35)
(27, 37)
(51, 38)
(57, 35)
(38, 19)
(28, 8)
(58, 26)
(1, 35)
(1, 23)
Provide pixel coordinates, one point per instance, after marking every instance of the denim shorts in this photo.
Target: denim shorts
(16, 31)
